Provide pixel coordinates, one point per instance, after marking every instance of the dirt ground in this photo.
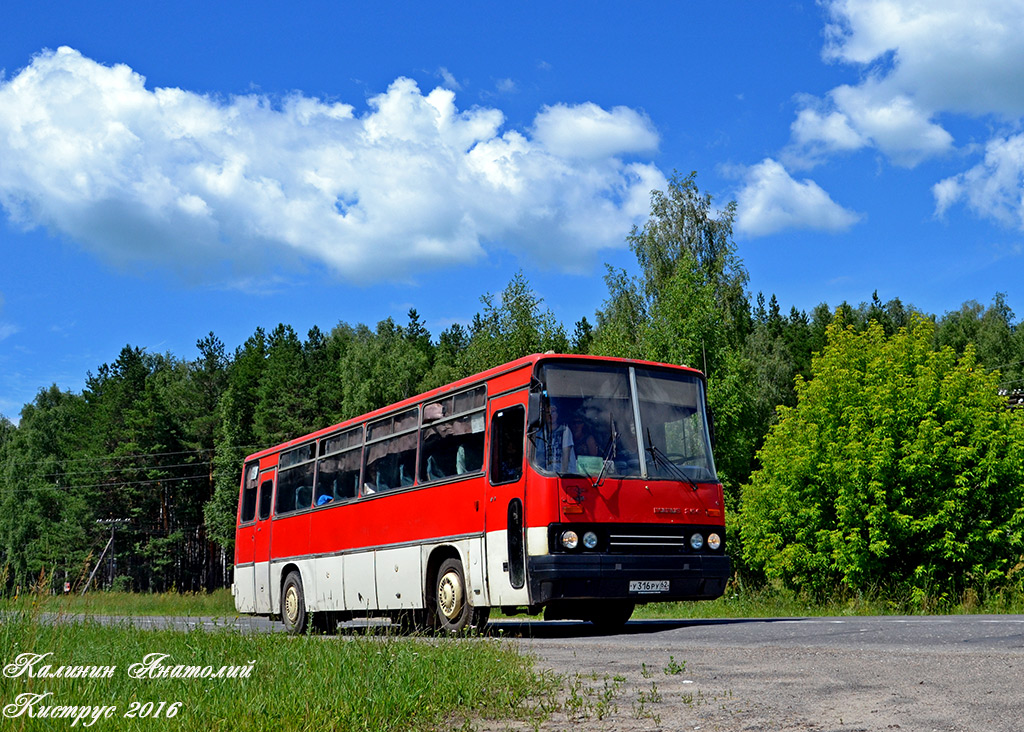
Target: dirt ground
(651, 683)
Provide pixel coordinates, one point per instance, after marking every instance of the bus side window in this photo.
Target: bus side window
(507, 445)
(337, 477)
(389, 463)
(454, 447)
(248, 512)
(294, 488)
(266, 490)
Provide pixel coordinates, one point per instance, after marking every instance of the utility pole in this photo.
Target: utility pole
(108, 548)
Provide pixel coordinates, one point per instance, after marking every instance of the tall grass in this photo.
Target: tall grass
(218, 603)
(773, 601)
(305, 683)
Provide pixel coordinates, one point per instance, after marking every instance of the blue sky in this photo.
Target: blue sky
(168, 169)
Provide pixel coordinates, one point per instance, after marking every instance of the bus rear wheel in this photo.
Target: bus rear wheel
(293, 605)
(451, 607)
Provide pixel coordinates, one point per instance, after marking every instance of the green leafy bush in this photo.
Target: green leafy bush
(898, 467)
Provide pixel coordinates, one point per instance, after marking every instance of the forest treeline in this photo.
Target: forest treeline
(150, 452)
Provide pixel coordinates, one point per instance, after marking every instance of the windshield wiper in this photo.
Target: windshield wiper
(658, 457)
(609, 453)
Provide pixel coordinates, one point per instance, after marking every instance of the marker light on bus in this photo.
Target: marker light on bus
(590, 540)
(569, 539)
(714, 541)
(696, 541)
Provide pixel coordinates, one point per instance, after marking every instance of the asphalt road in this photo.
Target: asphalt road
(873, 673)
(774, 674)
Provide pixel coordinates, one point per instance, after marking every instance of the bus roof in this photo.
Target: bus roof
(505, 368)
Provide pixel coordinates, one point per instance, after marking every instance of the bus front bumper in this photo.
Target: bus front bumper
(639, 578)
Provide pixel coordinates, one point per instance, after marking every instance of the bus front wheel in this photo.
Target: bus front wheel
(293, 605)
(609, 617)
(452, 610)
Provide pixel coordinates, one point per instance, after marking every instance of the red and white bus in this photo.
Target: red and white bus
(577, 485)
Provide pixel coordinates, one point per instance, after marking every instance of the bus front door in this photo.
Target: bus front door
(505, 497)
(261, 543)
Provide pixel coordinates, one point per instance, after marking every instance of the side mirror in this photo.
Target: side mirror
(711, 428)
(534, 411)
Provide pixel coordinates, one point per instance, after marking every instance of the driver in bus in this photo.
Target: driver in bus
(556, 451)
(582, 439)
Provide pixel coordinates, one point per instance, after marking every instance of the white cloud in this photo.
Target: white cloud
(772, 201)
(588, 131)
(922, 60)
(894, 123)
(6, 329)
(173, 177)
(854, 117)
(947, 54)
(992, 188)
(919, 60)
(507, 86)
(826, 131)
(449, 79)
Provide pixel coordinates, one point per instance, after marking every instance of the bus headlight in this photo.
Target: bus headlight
(696, 541)
(590, 540)
(569, 539)
(714, 541)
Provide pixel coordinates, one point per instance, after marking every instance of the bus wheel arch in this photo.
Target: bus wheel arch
(448, 606)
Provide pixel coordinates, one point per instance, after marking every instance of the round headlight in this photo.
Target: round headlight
(569, 539)
(696, 541)
(714, 541)
(590, 540)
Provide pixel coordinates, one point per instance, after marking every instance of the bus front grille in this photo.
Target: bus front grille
(653, 540)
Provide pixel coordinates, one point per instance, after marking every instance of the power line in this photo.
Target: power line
(1012, 363)
(243, 448)
(125, 468)
(64, 488)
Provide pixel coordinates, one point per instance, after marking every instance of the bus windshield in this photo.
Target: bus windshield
(622, 421)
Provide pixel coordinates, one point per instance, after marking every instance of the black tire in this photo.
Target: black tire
(611, 616)
(450, 601)
(293, 605)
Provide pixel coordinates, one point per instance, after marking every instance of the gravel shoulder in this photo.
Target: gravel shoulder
(812, 674)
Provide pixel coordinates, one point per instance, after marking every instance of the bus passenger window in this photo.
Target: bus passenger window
(453, 447)
(452, 436)
(507, 445)
(295, 488)
(337, 477)
(389, 463)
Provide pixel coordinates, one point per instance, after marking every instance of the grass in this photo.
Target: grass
(218, 603)
(307, 683)
(774, 602)
(738, 602)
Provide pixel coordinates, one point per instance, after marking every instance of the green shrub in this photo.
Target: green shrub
(898, 467)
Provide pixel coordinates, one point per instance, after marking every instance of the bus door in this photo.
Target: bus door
(261, 543)
(504, 499)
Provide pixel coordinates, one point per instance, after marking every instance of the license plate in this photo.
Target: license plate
(648, 587)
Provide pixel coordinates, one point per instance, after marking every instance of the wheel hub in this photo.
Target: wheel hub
(291, 604)
(449, 595)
